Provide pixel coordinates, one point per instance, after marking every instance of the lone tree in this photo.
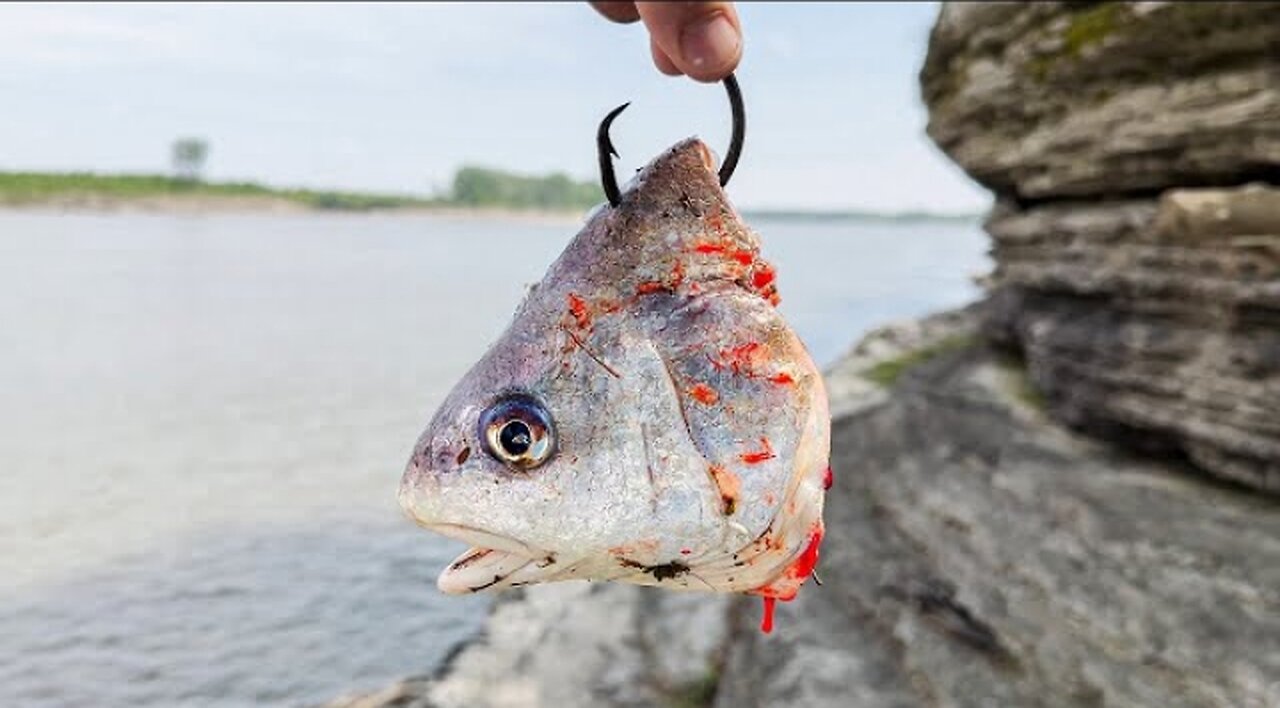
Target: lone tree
(188, 155)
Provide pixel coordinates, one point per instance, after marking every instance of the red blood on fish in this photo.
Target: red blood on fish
(799, 570)
(742, 358)
(703, 393)
(827, 478)
(728, 248)
(677, 274)
(685, 551)
(808, 560)
(747, 360)
(652, 286)
(755, 458)
(581, 313)
(763, 276)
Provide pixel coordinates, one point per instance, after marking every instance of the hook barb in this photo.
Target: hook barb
(606, 151)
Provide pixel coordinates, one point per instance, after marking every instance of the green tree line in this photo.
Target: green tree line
(485, 187)
(476, 187)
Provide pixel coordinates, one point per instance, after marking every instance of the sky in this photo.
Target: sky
(394, 97)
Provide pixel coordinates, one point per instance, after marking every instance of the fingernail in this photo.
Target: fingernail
(709, 43)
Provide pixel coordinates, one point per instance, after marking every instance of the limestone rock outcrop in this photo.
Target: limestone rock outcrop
(1049, 100)
(1134, 150)
(978, 555)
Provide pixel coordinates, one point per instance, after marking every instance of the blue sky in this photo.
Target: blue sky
(394, 97)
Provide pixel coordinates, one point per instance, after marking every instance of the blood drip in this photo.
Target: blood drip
(827, 478)
(799, 570)
(766, 624)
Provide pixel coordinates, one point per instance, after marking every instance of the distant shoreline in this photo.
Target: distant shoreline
(182, 205)
(154, 194)
(93, 192)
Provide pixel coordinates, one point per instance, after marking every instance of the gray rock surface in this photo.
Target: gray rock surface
(1134, 149)
(1154, 322)
(977, 554)
(578, 644)
(1049, 100)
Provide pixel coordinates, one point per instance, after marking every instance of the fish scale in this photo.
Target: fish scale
(682, 429)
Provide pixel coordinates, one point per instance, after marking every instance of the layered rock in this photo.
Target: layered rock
(976, 555)
(1048, 100)
(979, 556)
(1146, 300)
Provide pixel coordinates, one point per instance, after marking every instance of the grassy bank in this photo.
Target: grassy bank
(38, 188)
(474, 189)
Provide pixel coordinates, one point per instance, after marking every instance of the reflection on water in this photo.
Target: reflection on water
(205, 419)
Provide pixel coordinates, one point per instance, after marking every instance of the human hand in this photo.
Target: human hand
(702, 40)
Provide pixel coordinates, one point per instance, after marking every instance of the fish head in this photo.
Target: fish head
(646, 416)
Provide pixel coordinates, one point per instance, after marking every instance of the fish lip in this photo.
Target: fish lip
(493, 562)
(479, 569)
(486, 539)
(708, 157)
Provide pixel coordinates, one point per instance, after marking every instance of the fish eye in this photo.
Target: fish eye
(517, 432)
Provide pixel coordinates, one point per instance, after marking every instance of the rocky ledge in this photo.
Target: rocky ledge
(1134, 149)
(977, 555)
(1048, 100)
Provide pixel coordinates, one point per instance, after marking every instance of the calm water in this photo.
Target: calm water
(203, 421)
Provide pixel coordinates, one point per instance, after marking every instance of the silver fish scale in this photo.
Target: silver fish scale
(691, 425)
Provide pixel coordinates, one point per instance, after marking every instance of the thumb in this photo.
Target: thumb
(702, 39)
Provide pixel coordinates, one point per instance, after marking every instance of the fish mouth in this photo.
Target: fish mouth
(493, 562)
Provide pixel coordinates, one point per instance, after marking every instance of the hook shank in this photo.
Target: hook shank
(739, 129)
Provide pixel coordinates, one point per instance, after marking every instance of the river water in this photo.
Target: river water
(203, 420)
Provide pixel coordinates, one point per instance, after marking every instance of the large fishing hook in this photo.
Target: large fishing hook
(606, 151)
